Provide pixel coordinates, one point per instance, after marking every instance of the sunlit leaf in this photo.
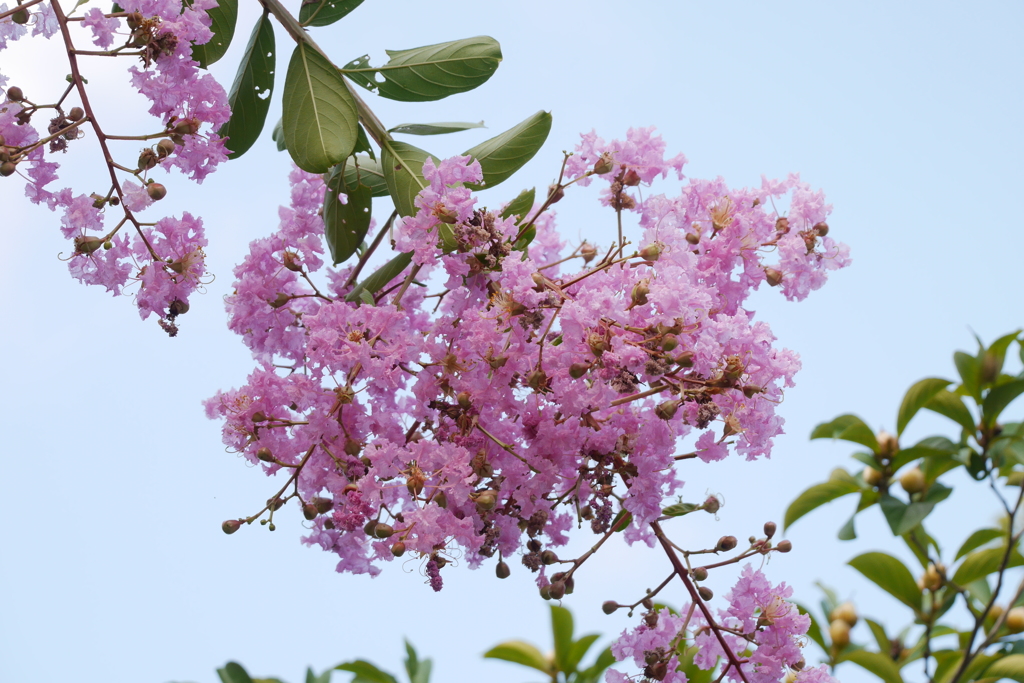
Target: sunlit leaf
(233, 672)
(504, 154)
(915, 398)
(890, 575)
(998, 398)
(839, 484)
(362, 170)
(561, 629)
(521, 653)
(984, 562)
(847, 428)
(324, 12)
(877, 663)
(403, 172)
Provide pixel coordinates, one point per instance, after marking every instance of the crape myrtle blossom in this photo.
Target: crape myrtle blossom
(537, 390)
(112, 247)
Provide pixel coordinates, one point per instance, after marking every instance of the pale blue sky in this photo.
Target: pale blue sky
(907, 114)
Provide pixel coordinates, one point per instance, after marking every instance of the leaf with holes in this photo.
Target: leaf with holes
(320, 121)
(403, 173)
(431, 72)
(362, 170)
(324, 12)
(249, 98)
(345, 225)
(222, 22)
(503, 155)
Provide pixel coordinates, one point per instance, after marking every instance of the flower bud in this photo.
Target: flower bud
(186, 127)
(177, 307)
(398, 549)
(651, 619)
(932, 578)
(846, 612)
(577, 370)
(652, 251)
(657, 671)
(76, 114)
(773, 276)
(603, 164)
(639, 294)
(309, 511)
(667, 409)
(323, 505)
(821, 228)
(669, 342)
(445, 215)
(597, 343)
(156, 191)
(631, 178)
(782, 225)
(693, 238)
(705, 593)
(752, 390)
(887, 444)
(381, 530)
(913, 481)
(501, 570)
(264, 454)
(463, 399)
(370, 527)
(537, 380)
(20, 16)
(699, 573)
(557, 590)
(533, 545)
(839, 633)
(1015, 620)
(165, 147)
(609, 606)
(485, 501)
(545, 592)
(712, 505)
(784, 546)
(726, 543)
(275, 504)
(8, 168)
(108, 245)
(555, 193)
(231, 526)
(85, 244)
(769, 529)
(441, 500)
(291, 261)
(588, 252)
(872, 477)
(685, 359)
(498, 362)
(134, 20)
(548, 557)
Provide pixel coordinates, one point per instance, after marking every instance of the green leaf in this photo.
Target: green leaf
(561, 629)
(967, 367)
(366, 672)
(434, 128)
(902, 517)
(976, 540)
(427, 73)
(521, 653)
(503, 155)
(847, 428)
(277, 135)
(418, 670)
(908, 455)
(345, 225)
(679, 509)
(998, 398)
(233, 672)
(995, 355)
(622, 520)
(1010, 666)
(324, 12)
(403, 172)
(578, 651)
(250, 93)
(594, 671)
(984, 562)
(839, 484)
(848, 532)
(890, 575)
(320, 121)
(380, 278)
(311, 677)
(877, 663)
(521, 205)
(878, 631)
(814, 630)
(915, 398)
(362, 170)
(223, 18)
(952, 406)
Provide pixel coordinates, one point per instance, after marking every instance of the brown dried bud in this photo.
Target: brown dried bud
(537, 380)
(156, 191)
(291, 261)
(264, 454)
(309, 511)
(609, 606)
(712, 505)
(784, 546)
(726, 543)
(651, 619)
(441, 500)
(177, 307)
(323, 505)
(604, 164)
(631, 178)
(577, 370)
(165, 147)
(769, 529)
(370, 527)
(134, 20)
(231, 526)
(705, 593)
(752, 390)
(548, 557)
(275, 504)
(699, 573)
(555, 193)
(533, 545)
(76, 114)
(657, 671)
(498, 362)
(588, 252)
(693, 238)
(821, 228)
(8, 168)
(667, 409)
(501, 570)
(398, 549)
(782, 225)
(557, 590)
(186, 127)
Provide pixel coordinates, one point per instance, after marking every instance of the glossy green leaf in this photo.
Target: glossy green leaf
(521, 205)
(847, 428)
(431, 72)
(418, 670)
(976, 540)
(324, 12)
(403, 172)
(519, 652)
(890, 575)
(622, 520)
(984, 562)
(561, 629)
(233, 672)
(967, 367)
(578, 651)
(366, 672)
(839, 484)
(222, 22)
(901, 516)
(848, 531)
(994, 356)
(277, 135)
(362, 170)
(998, 398)
(504, 154)
(877, 663)
(951, 405)
(905, 456)
(1010, 666)
(345, 225)
(380, 278)
(878, 631)
(320, 121)
(250, 93)
(441, 128)
(595, 670)
(915, 398)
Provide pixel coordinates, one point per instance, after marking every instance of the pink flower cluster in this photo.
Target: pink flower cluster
(165, 260)
(489, 417)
